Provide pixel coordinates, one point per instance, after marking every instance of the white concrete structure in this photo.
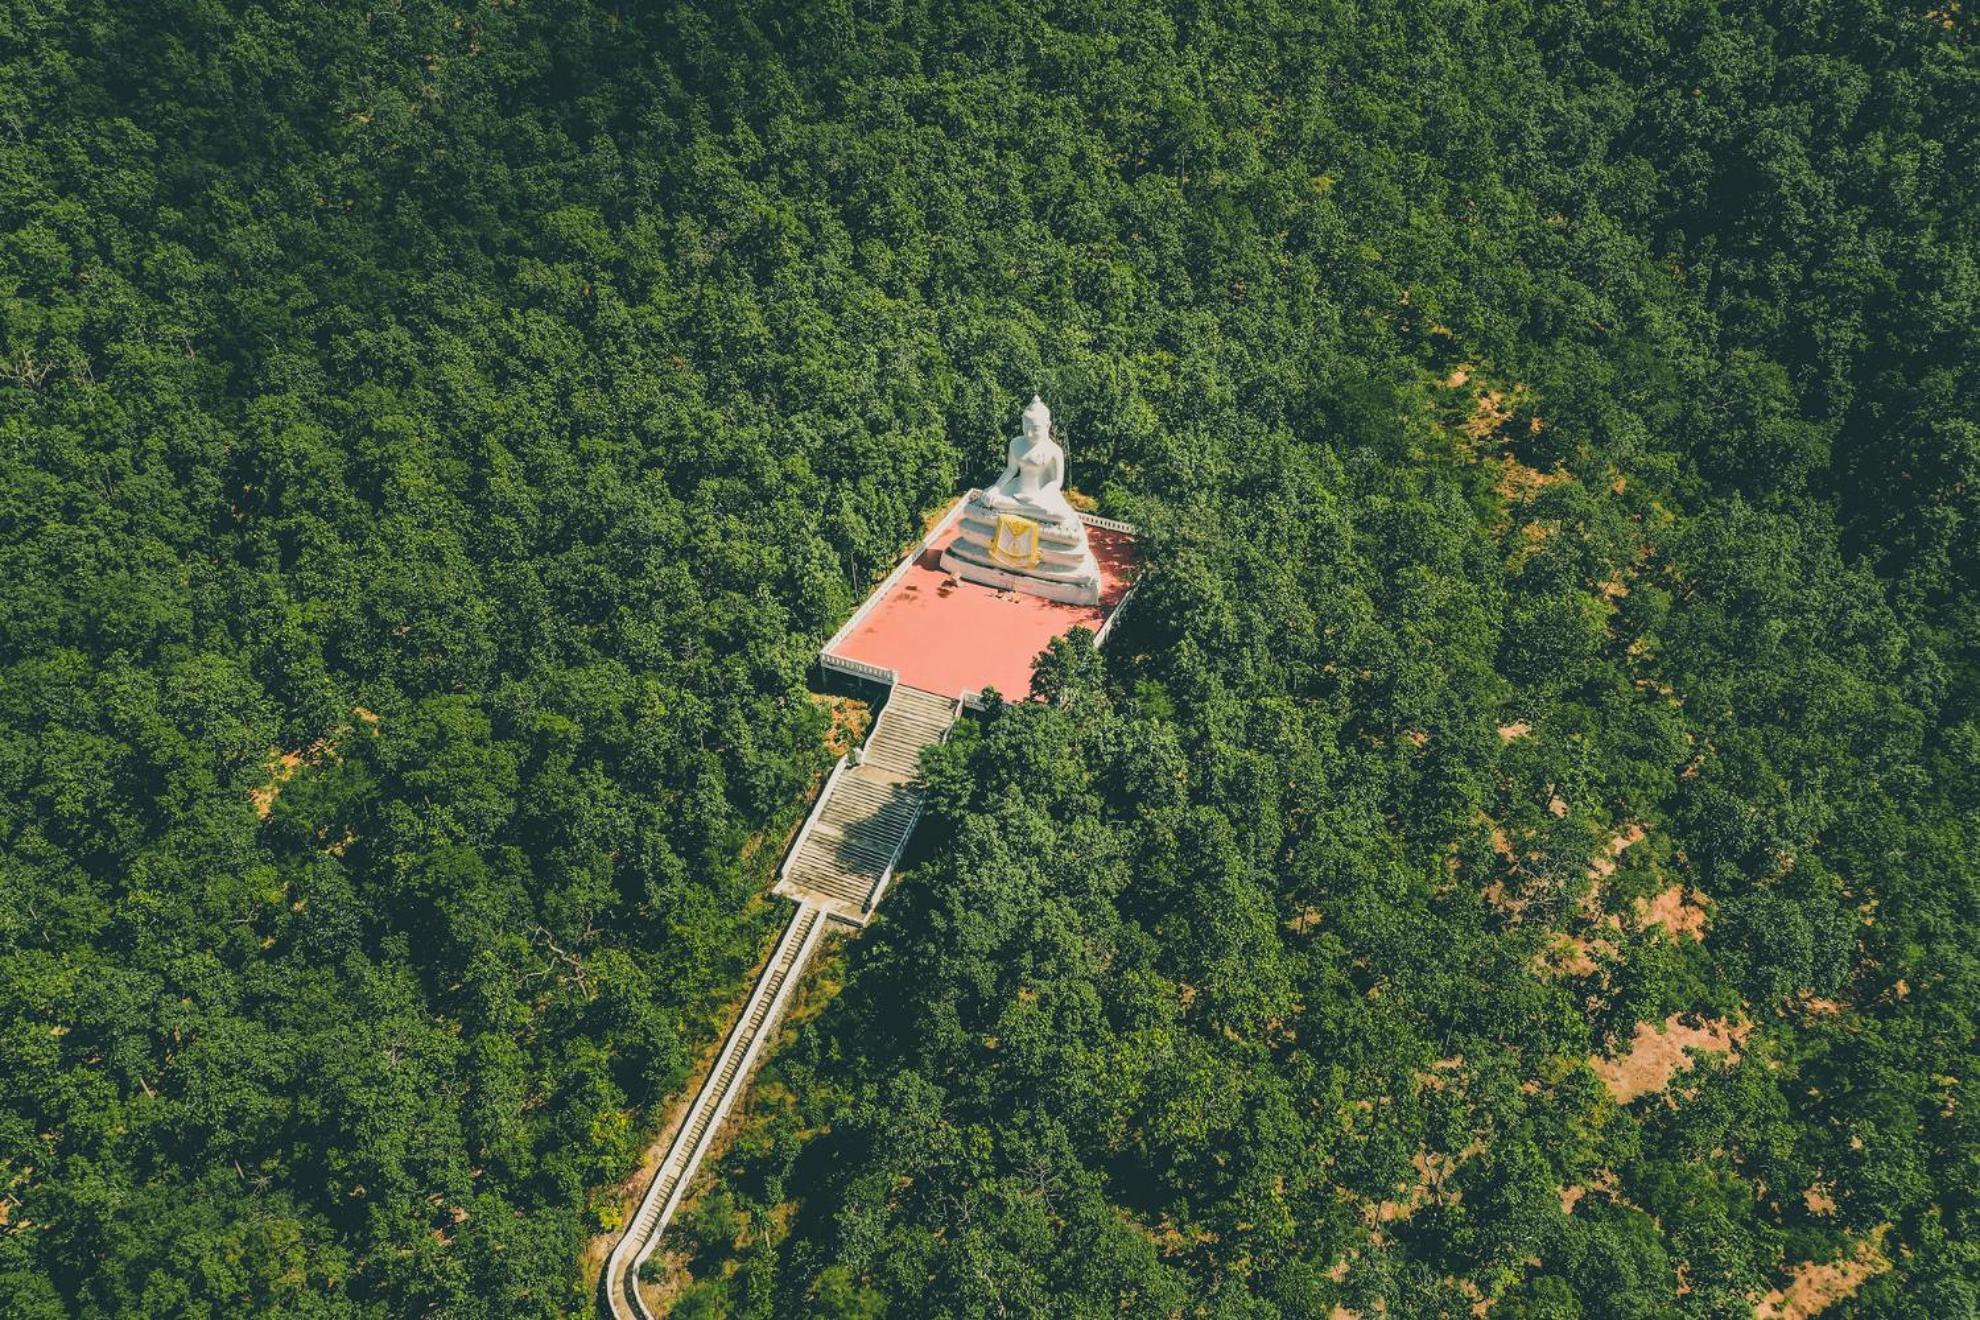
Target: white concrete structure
(845, 854)
(837, 870)
(1021, 533)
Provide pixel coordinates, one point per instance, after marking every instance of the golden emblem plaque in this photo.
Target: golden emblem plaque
(1015, 546)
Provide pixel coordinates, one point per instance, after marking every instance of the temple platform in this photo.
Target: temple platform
(927, 629)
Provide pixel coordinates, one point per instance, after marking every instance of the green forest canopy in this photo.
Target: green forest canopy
(1557, 434)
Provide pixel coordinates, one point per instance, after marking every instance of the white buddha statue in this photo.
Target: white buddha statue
(1021, 533)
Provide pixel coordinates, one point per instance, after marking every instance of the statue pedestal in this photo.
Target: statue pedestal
(1016, 548)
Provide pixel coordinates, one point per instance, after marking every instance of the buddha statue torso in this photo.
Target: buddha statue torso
(1034, 472)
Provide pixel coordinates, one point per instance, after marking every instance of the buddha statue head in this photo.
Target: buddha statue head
(1037, 421)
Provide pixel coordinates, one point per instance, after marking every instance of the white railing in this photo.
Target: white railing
(1107, 625)
(1110, 524)
(859, 668)
(794, 950)
(804, 831)
(887, 876)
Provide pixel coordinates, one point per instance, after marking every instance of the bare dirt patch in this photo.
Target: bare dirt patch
(1432, 1169)
(851, 718)
(1604, 864)
(1573, 955)
(1604, 1181)
(1658, 1054)
(1676, 909)
(1515, 731)
(1817, 1006)
(1434, 1079)
(1517, 481)
(283, 766)
(1502, 899)
(1171, 1240)
(1595, 934)
(1812, 1288)
(1488, 413)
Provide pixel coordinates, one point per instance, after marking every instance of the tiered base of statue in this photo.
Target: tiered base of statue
(1025, 549)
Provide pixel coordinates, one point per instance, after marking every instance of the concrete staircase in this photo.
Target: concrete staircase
(911, 720)
(725, 1083)
(847, 850)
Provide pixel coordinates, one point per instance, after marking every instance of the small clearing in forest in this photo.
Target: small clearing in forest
(1676, 909)
(1604, 865)
(1812, 1288)
(1658, 1054)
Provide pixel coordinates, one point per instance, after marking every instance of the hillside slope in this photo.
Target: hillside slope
(433, 439)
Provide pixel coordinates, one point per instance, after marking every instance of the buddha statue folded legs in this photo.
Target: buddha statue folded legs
(1021, 533)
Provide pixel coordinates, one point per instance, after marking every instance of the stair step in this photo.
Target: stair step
(831, 858)
(859, 841)
(917, 717)
(817, 870)
(860, 809)
(921, 735)
(906, 763)
(871, 790)
(840, 884)
(866, 841)
(856, 835)
(868, 861)
(870, 829)
(682, 1157)
(846, 804)
(852, 889)
(897, 735)
(852, 895)
(875, 826)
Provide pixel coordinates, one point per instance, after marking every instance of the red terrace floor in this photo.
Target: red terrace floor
(941, 634)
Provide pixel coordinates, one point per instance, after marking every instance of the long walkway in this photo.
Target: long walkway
(838, 868)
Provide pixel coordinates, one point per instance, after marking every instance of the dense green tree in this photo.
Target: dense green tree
(434, 439)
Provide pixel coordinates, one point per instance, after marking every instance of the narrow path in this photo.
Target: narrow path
(838, 869)
(726, 1081)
